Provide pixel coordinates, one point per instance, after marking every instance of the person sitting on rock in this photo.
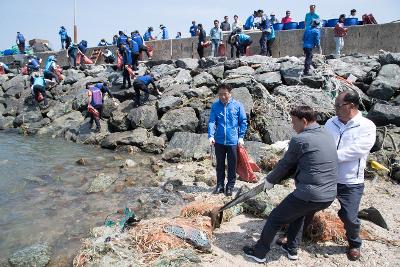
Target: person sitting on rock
(95, 105)
(241, 41)
(50, 69)
(38, 86)
(141, 84)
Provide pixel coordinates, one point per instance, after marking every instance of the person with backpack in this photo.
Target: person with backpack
(20, 40)
(38, 86)
(141, 84)
(340, 32)
(50, 69)
(63, 35)
(265, 27)
(95, 105)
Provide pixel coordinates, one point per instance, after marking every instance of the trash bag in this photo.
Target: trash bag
(150, 50)
(373, 215)
(245, 167)
(119, 61)
(39, 97)
(130, 71)
(221, 50)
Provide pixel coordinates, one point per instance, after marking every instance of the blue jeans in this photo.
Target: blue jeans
(292, 211)
(214, 47)
(349, 196)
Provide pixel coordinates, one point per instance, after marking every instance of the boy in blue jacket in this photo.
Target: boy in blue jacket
(226, 129)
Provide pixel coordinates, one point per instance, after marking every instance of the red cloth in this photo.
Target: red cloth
(119, 61)
(340, 30)
(130, 71)
(286, 20)
(2, 71)
(58, 72)
(221, 50)
(245, 167)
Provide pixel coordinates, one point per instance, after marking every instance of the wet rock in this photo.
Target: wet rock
(201, 92)
(382, 114)
(183, 76)
(101, 183)
(28, 117)
(37, 255)
(160, 71)
(202, 79)
(136, 137)
(187, 63)
(243, 96)
(34, 127)
(168, 103)
(194, 146)
(239, 81)
(6, 122)
(387, 83)
(72, 76)
(143, 116)
(389, 58)
(241, 71)
(183, 119)
(270, 80)
(217, 72)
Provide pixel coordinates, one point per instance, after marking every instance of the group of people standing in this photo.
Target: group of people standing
(327, 163)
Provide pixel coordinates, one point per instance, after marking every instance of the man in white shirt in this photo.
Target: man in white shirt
(354, 136)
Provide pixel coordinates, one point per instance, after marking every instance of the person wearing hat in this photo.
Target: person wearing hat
(164, 32)
(147, 36)
(353, 13)
(63, 35)
(273, 19)
(311, 39)
(310, 16)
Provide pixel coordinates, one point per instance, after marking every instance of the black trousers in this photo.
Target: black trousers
(200, 50)
(223, 152)
(269, 45)
(140, 86)
(308, 60)
(292, 211)
(135, 61)
(126, 78)
(99, 108)
(144, 48)
(50, 75)
(40, 89)
(264, 43)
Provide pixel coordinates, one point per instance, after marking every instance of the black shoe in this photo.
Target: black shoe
(228, 192)
(250, 252)
(97, 130)
(218, 190)
(291, 253)
(123, 87)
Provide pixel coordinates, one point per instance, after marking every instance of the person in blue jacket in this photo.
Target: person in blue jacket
(50, 69)
(72, 53)
(241, 41)
(270, 41)
(193, 29)
(127, 61)
(38, 85)
(226, 129)
(134, 47)
(122, 38)
(164, 32)
(148, 35)
(141, 83)
(20, 40)
(139, 40)
(310, 16)
(311, 39)
(83, 46)
(249, 24)
(33, 63)
(63, 35)
(265, 27)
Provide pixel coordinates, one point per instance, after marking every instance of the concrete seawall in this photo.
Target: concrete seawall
(368, 39)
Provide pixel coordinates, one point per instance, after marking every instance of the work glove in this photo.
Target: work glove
(241, 142)
(212, 141)
(267, 185)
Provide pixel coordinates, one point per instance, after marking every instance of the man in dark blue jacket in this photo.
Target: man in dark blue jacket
(313, 162)
(20, 40)
(63, 35)
(193, 29)
(127, 61)
(141, 83)
(226, 129)
(139, 40)
(134, 47)
(311, 39)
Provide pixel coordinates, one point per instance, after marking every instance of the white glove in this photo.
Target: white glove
(212, 141)
(267, 185)
(241, 142)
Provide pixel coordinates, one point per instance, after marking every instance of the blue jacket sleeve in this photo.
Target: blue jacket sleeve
(211, 123)
(316, 38)
(242, 121)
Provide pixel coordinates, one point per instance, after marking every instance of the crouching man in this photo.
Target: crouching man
(312, 160)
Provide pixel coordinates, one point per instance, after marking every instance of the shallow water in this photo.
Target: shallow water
(43, 193)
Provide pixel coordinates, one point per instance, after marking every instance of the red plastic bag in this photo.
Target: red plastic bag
(245, 167)
(119, 61)
(58, 72)
(221, 50)
(39, 97)
(130, 71)
(93, 111)
(248, 53)
(24, 70)
(2, 70)
(78, 59)
(87, 60)
(150, 50)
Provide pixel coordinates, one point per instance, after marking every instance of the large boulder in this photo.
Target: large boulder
(154, 144)
(231, 64)
(95, 70)
(160, 71)
(183, 76)
(387, 83)
(119, 121)
(59, 110)
(13, 107)
(168, 103)
(238, 81)
(101, 183)
(389, 58)
(362, 67)
(165, 82)
(270, 80)
(37, 255)
(217, 72)
(201, 92)
(109, 106)
(6, 122)
(137, 137)
(177, 90)
(187, 63)
(80, 101)
(61, 124)
(291, 73)
(382, 114)
(15, 91)
(202, 79)
(256, 59)
(72, 76)
(18, 81)
(143, 116)
(242, 71)
(178, 120)
(28, 117)
(194, 146)
(243, 96)
(269, 66)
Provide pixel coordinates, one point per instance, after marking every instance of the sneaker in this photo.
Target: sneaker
(218, 190)
(228, 192)
(353, 254)
(250, 253)
(291, 254)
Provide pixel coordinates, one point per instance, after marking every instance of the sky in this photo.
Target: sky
(97, 19)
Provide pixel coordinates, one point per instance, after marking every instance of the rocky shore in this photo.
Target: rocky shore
(174, 129)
